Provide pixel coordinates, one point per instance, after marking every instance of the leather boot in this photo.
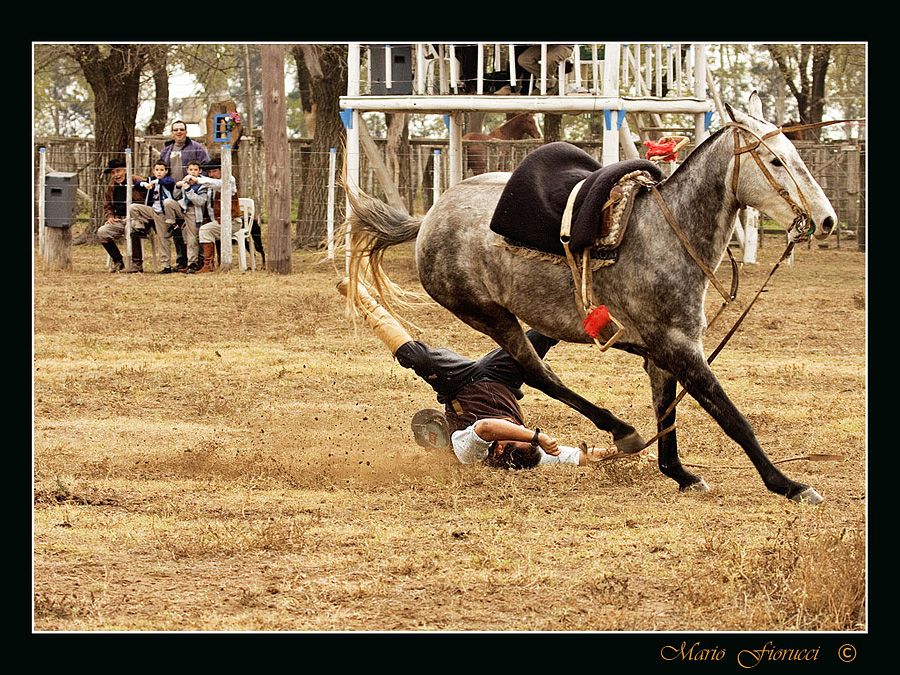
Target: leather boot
(386, 327)
(209, 257)
(118, 264)
(137, 255)
(181, 258)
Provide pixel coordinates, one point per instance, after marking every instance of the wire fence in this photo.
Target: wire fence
(417, 172)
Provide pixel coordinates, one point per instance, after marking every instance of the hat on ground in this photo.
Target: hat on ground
(114, 163)
(430, 429)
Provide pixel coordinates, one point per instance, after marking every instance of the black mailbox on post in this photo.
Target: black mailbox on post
(401, 70)
(60, 194)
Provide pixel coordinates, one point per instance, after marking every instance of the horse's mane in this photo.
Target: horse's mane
(699, 151)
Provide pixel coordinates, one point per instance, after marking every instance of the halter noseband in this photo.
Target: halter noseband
(798, 231)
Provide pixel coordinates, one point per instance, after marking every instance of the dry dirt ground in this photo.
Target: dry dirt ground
(225, 453)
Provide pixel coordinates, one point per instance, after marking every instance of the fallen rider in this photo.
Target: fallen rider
(483, 421)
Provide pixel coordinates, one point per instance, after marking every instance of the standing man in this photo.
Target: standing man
(177, 154)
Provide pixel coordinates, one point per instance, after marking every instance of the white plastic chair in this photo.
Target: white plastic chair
(242, 235)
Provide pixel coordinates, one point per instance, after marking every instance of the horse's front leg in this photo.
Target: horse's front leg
(686, 361)
(500, 324)
(662, 384)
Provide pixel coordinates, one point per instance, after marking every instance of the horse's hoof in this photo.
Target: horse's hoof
(630, 444)
(700, 486)
(808, 496)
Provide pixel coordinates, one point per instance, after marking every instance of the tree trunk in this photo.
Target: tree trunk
(58, 248)
(248, 90)
(327, 65)
(397, 154)
(114, 78)
(304, 87)
(278, 168)
(552, 127)
(810, 94)
(157, 124)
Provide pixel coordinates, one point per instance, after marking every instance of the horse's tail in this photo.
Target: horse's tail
(374, 227)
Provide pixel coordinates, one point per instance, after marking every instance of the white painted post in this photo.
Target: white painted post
(543, 69)
(610, 152)
(436, 175)
(751, 234)
(388, 75)
(352, 151)
(512, 65)
(332, 169)
(480, 81)
(442, 70)
(700, 131)
(670, 67)
(455, 149)
(659, 69)
(595, 64)
(225, 211)
(678, 68)
(454, 70)
(628, 149)
(420, 68)
(561, 78)
(577, 65)
(42, 200)
(128, 209)
(638, 74)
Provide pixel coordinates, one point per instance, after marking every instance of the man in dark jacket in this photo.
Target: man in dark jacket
(181, 150)
(115, 204)
(149, 218)
(177, 154)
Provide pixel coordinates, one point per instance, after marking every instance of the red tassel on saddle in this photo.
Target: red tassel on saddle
(596, 321)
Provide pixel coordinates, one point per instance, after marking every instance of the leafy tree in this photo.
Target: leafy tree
(62, 103)
(113, 72)
(803, 68)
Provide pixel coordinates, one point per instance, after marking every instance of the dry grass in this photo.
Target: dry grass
(222, 452)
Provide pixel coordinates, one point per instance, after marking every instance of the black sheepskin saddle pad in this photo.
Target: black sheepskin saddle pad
(531, 206)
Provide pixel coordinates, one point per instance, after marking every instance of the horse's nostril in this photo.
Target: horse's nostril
(827, 224)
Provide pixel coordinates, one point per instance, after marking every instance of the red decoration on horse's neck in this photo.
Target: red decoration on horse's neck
(662, 149)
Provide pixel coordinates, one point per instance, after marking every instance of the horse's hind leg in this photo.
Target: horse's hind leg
(694, 373)
(662, 385)
(504, 328)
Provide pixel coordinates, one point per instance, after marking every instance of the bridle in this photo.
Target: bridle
(801, 228)
(798, 231)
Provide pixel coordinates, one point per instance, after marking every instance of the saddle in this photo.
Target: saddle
(531, 206)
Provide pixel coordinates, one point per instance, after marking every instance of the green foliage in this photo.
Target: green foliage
(63, 103)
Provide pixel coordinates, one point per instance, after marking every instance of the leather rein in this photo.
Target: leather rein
(797, 232)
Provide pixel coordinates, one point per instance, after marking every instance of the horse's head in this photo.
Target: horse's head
(530, 127)
(519, 127)
(769, 175)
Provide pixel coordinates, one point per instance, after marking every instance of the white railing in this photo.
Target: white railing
(654, 70)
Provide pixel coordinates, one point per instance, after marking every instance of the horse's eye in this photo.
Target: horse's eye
(776, 162)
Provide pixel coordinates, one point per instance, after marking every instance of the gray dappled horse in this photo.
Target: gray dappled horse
(655, 289)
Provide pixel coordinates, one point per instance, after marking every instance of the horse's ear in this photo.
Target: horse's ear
(730, 112)
(756, 106)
